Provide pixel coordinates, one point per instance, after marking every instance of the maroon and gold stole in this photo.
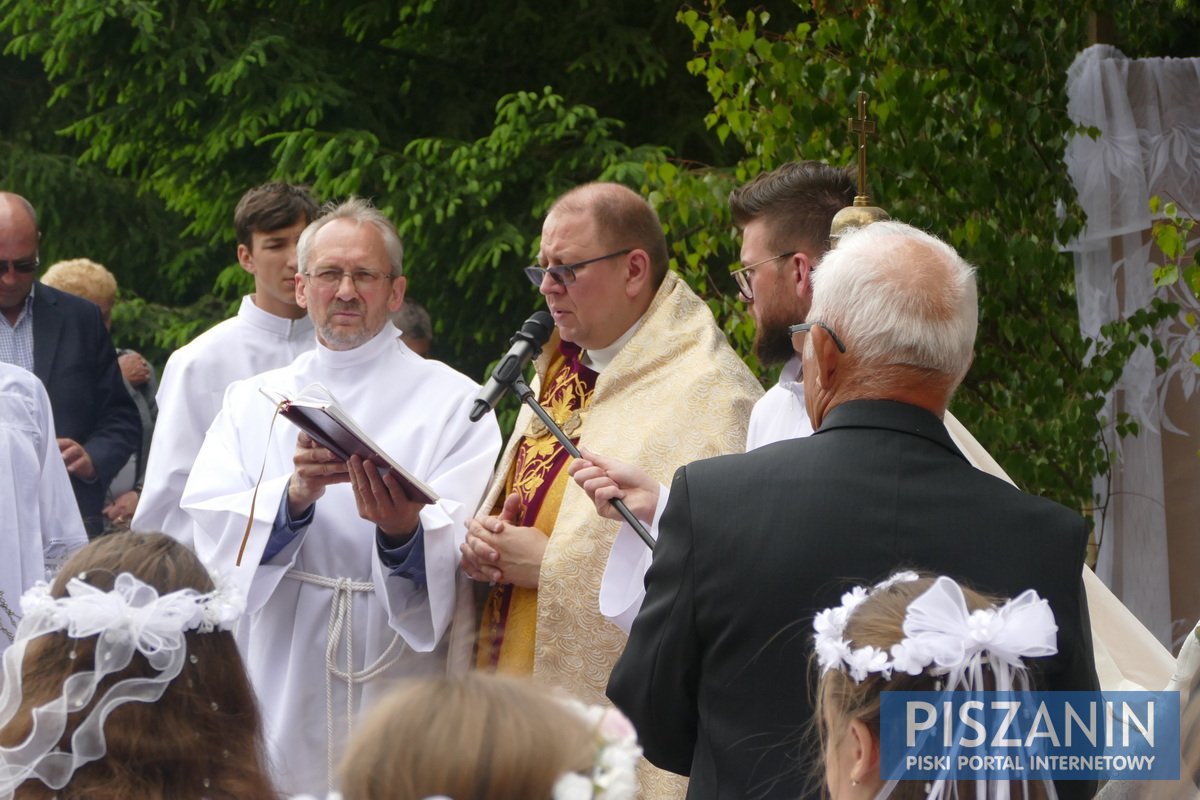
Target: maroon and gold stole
(539, 478)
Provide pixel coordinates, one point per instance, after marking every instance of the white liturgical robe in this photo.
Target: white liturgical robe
(189, 397)
(326, 596)
(41, 523)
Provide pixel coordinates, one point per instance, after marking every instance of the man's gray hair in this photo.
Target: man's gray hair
(413, 320)
(897, 295)
(362, 212)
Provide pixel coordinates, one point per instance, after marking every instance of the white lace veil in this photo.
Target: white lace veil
(131, 618)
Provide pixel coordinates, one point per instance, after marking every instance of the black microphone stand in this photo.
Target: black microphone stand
(527, 396)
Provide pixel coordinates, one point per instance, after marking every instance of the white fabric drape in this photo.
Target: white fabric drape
(1149, 144)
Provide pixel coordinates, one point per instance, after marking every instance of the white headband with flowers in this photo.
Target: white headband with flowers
(614, 771)
(940, 633)
(130, 618)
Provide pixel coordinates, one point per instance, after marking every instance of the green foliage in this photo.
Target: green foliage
(461, 118)
(1173, 235)
(136, 125)
(970, 103)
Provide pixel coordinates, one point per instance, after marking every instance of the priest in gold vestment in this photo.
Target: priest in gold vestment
(637, 367)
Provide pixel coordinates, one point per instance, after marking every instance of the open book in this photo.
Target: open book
(317, 413)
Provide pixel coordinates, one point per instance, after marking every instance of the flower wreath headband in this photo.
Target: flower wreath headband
(614, 770)
(942, 636)
(130, 618)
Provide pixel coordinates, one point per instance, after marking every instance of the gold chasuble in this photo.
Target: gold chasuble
(676, 392)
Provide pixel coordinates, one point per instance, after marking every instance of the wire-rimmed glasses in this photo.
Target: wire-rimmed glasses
(564, 274)
(798, 331)
(742, 275)
(363, 279)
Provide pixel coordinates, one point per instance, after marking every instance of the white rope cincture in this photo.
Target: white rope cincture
(341, 628)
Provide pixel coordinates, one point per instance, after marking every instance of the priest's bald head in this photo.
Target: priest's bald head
(602, 258)
(350, 274)
(893, 317)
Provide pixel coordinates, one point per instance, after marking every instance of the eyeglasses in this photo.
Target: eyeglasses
(363, 279)
(742, 276)
(796, 331)
(21, 265)
(564, 275)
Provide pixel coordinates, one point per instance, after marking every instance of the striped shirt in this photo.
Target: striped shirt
(16, 339)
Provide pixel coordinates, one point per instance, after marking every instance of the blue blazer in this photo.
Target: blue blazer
(75, 358)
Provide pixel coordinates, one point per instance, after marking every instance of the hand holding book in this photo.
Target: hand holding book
(381, 499)
(317, 413)
(314, 467)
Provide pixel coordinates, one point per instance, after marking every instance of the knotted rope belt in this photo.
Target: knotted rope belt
(341, 628)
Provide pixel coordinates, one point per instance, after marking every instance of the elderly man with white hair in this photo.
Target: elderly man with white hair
(752, 545)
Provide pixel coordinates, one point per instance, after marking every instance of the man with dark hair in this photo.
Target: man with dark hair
(637, 367)
(269, 331)
(784, 216)
(61, 338)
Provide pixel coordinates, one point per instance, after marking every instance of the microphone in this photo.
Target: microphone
(526, 344)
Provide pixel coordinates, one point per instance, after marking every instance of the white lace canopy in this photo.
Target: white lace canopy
(1149, 144)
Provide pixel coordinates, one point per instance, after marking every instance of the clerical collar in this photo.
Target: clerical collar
(252, 315)
(382, 343)
(598, 360)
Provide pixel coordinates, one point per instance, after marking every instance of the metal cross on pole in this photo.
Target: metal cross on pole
(864, 128)
(862, 212)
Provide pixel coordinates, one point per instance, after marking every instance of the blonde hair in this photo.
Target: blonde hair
(879, 622)
(84, 278)
(473, 737)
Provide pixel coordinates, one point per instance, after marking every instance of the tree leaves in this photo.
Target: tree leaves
(971, 110)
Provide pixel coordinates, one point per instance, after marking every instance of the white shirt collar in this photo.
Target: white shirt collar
(598, 360)
(791, 371)
(256, 317)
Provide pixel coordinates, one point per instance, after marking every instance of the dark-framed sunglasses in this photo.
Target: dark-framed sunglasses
(21, 265)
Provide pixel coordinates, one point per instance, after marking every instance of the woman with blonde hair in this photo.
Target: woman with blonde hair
(92, 281)
(124, 681)
(488, 737)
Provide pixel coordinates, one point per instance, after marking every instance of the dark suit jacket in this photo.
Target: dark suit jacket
(74, 357)
(715, 676)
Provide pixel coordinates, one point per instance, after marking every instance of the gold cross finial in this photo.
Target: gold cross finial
(862, 213)
(864, 128)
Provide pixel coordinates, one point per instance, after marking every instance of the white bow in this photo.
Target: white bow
(939, 629)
